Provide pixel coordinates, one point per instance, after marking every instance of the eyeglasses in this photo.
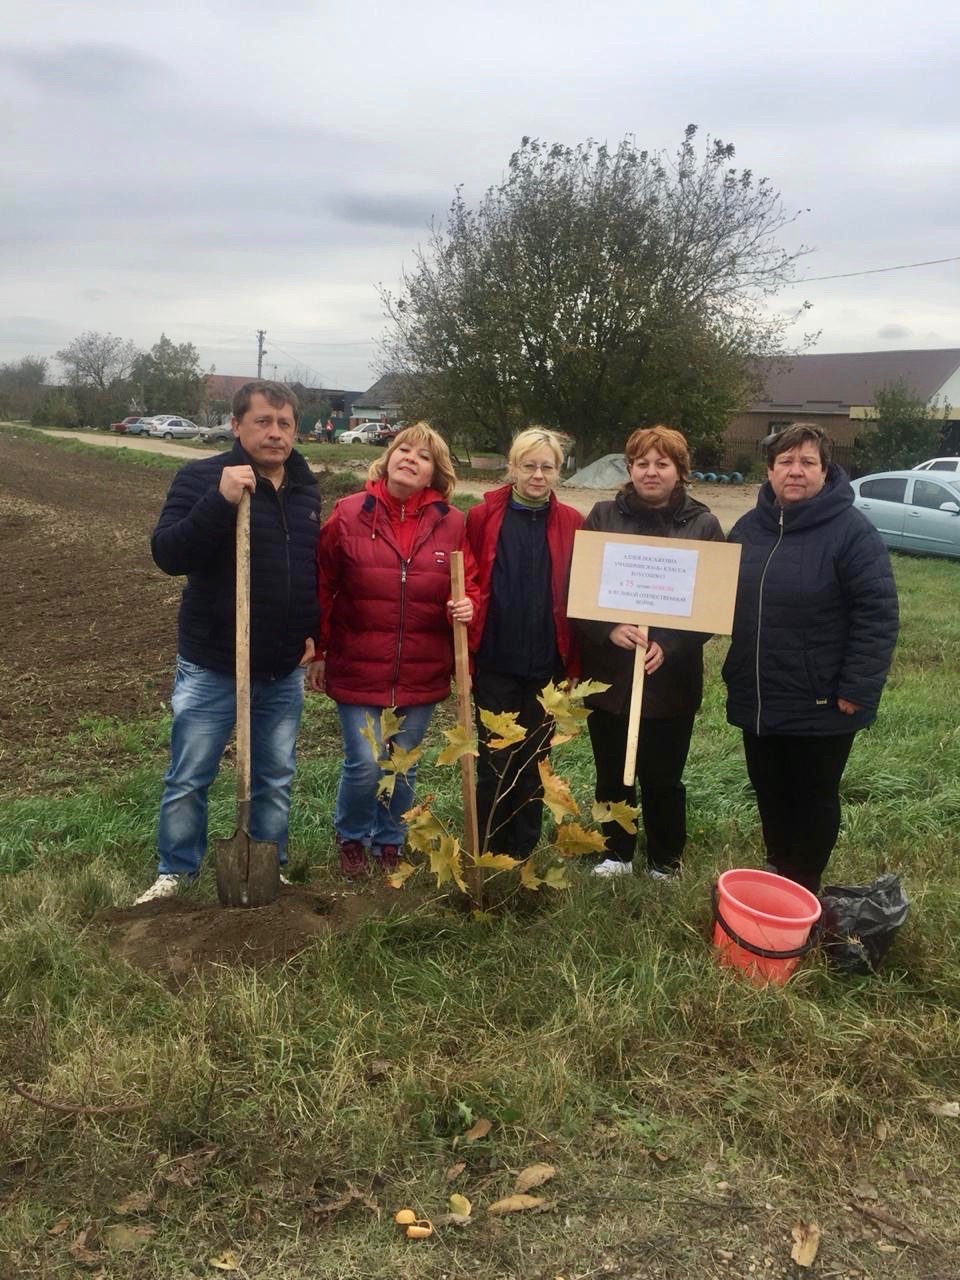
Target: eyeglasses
(531, 468)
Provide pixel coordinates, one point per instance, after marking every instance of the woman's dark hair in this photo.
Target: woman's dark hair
(794, 436)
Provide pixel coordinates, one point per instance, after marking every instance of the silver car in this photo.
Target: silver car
(912, 510)
(169, 427)
(210, 435)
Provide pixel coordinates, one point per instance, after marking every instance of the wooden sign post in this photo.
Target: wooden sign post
(680, 583)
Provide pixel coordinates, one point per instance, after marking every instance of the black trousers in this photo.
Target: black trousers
(661, 757)
(509, 793)
(797, 781)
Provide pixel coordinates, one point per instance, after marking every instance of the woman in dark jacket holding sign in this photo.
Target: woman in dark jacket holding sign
(654, 502)
(813, 635)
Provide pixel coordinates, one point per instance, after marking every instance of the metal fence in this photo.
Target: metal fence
(743, 455)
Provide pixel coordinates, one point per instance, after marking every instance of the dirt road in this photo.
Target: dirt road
(727, 502)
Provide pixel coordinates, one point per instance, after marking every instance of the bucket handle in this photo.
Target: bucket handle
(812, 940)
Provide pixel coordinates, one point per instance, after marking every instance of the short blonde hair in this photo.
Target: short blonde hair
(421, 433)
(669, 441)
(533, 438)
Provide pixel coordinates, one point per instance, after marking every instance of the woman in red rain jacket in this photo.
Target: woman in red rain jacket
(383, 577)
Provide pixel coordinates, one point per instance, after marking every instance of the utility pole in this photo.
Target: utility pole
(261, 352)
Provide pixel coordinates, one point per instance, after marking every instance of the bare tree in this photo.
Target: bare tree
(98, 360)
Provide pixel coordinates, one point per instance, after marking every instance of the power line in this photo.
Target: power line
(875, 271)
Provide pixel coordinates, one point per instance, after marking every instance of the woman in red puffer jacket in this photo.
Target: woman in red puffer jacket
(383, 578)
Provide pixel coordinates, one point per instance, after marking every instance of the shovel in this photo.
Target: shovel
(248, 871)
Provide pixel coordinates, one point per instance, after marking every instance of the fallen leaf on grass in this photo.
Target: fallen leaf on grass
(806, 1242)
(882, 1131)
(890, 1225)
(460, 1205)
(335, 1203)
(535, 1175)
(884, 1247)
(947, 1110)
(124, 1239)
(455, 1170)
(515, 1204)
(226, 1261)
(452, 1220)
(58, 1228)
(478, 1130)
(135, 1202)
(184, 1171)
(79, 1251)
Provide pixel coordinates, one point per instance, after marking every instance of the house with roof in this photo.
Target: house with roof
(836, 392)
(381, 403)
(223, 386)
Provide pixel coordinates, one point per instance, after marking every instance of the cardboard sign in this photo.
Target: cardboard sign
(656, 582)
(681, 583)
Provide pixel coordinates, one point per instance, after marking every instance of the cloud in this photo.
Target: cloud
(893, 332)
(388, 210)
(88, 69)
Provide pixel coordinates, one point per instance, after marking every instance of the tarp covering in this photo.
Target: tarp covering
(608, 472)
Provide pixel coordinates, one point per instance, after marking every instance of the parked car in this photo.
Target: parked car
(366, 433)
(939, 464)
(169, 427)
(912, 511)
(386, 434)
(210, 435)
(133, 426)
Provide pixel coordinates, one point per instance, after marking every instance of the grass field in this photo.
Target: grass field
(285, 1112)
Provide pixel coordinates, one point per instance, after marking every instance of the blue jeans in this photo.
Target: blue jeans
(360, 814)
(204, 713)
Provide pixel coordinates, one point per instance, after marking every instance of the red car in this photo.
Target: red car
(135, 425)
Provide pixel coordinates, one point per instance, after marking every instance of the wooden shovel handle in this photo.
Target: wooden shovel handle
(458, 589)
(243, 651)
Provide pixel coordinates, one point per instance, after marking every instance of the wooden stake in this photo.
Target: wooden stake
(468, 765)
(636, 699)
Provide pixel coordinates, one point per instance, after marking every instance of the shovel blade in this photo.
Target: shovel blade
(248, 871)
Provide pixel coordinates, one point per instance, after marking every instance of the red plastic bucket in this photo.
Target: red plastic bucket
(762, 923)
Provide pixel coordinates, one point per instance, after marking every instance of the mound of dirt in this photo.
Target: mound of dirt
(179, 936)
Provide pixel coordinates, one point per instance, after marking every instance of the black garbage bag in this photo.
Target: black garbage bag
(860, 922)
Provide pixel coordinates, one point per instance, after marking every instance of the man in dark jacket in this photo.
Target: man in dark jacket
(196, 536)
(813, 635)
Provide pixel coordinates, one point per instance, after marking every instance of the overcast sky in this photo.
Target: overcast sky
(212, 169)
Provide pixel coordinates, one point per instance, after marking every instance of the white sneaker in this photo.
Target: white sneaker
(164, 886)
(611, 867)
(656, 874)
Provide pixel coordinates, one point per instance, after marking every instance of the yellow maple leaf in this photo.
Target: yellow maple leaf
(560, 704)
(504, 725)
(390, 723)
(497, 861)
(572, 840)
(385, 786)
(369, 734)
(423, 828)
(401, 761)
(587, 688)
(617, 811)
(556, 792)
(397, 879)
(463, 742)
(528, 876)
(556, 878)
(445, 863)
